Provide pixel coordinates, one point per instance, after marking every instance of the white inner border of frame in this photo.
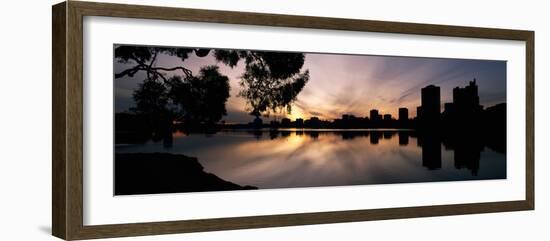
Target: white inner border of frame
(101, 207)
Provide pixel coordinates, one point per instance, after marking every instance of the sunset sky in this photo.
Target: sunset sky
(350, 84)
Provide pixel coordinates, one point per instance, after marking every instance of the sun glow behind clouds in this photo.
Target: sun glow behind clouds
(296, 113)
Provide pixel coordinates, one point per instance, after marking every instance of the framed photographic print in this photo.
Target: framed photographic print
(172, 120)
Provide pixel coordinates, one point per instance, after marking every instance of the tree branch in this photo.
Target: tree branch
(187, 72)
(129, 72)
(154, 70)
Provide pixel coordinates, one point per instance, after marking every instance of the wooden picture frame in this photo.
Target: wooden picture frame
(67, 152)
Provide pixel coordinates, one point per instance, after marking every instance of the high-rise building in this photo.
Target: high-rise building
(314, 122)
(387, 117)
(299, 122)
(403, 114)
(465, 110)
(374, 115)
(431, 104)
(285, 122)
(466, 98)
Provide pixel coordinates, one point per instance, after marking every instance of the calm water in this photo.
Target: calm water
(330, 158)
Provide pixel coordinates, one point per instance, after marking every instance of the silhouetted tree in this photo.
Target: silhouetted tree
(271, 81)
(151, 98)
(195, 99)
(201, 98)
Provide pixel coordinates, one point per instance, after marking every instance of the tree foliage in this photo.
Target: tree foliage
(271, 81)
(201, 98)
(144, 59)
(151, 98)
(194, 99)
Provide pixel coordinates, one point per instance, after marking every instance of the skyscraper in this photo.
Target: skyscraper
(299, 122)
(431, 104)
(466, 99)
(374, 116)
(403, 114)
(465, 110)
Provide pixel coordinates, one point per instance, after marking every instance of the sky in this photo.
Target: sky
(348, 84)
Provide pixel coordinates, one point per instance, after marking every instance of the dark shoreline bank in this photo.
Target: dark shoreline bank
(155, 173)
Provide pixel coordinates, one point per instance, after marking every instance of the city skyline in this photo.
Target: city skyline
(356, 120)
(350, 84)
(463, 111)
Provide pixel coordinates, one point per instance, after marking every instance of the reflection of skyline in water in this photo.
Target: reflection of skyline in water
(309, 158)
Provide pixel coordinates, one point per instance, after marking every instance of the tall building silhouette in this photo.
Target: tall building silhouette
(313, 122)
(299, 122)
(374, 115)
(285, 122)
(403, 115)
(465, 110)
(466, 98)
(429, 111)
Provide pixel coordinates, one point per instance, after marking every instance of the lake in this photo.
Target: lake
(311, 158)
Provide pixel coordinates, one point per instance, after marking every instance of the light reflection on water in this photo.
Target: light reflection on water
(330, 158)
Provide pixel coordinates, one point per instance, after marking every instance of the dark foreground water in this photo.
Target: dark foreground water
(298, 158)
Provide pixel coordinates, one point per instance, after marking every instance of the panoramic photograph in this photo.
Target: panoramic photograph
(190, 119)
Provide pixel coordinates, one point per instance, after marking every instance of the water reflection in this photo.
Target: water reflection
(431, 151)
(403, 138)
(310, 158)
